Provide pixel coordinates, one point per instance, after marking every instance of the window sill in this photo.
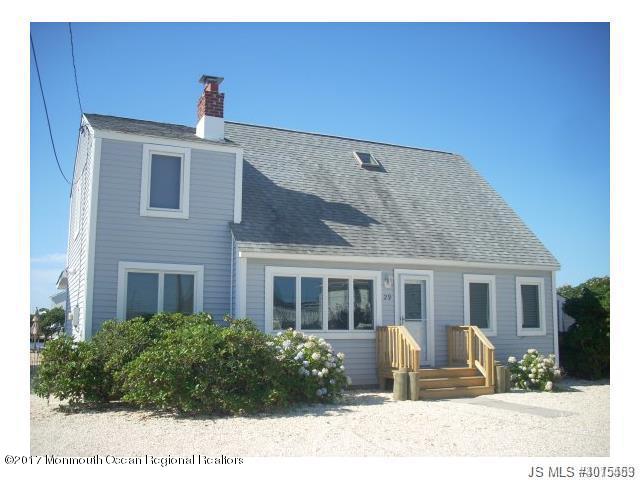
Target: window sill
(337, 335)
(164, 213)
(526, 332)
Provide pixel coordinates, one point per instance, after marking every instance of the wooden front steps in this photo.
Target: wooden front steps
(399, 353)
(451, 382)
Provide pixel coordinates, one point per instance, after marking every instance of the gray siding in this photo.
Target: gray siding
(448, 309)
(78, 245)
(122, 234)
(360, 356)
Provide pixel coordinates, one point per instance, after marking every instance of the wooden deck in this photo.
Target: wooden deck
(471, 358)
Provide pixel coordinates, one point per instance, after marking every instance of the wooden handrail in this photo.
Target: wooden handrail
(397, 349)
(468, 344)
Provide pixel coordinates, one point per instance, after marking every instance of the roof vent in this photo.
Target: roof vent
(366, 160)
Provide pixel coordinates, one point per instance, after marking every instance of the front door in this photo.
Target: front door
(413, 309)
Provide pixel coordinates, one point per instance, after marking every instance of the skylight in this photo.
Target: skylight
(366, 159)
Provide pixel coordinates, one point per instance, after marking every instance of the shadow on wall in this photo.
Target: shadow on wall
(280, 215)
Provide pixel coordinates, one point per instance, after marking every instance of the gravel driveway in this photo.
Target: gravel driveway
(573, 422)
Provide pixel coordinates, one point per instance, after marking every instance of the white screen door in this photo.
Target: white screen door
(413, 309)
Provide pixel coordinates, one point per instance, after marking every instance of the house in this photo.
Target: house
(59, 299)
(398, 256)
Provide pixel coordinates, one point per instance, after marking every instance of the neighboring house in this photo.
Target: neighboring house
(330, 235)
(59, 299)
(564, 320)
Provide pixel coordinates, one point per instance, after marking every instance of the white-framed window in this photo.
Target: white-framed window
(148, 288)
(530, 306)
(165, 181)
(480, 302)
(333, 303)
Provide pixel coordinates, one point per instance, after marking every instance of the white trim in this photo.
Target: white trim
(431, 329)
(210, 128)
(390, 260)
(170, 142)
(185, 180)
(324, 273)
(85, 122)
(554, 294)
(91, 249)
(241, 288)
(343, 335)
(490, 280)
(160, 269)
(237, 190)
(542, 330)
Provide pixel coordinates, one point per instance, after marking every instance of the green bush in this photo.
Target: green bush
(585, 347)
(189, 364)
(309, 368)
(207, 368)
(71, 371)
(119, 343)
(92, 371)
(534, 371)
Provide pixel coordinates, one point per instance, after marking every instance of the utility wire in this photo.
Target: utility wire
(46, 112)
(75, 73)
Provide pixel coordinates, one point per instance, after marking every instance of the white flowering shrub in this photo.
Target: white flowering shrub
(312, 371)
(534, 371)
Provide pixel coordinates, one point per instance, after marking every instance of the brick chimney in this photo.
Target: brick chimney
(211, 109)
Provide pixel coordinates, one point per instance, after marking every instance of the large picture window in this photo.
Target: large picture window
(480, 302)
(148, 288)
(165, 181)
(530, 306)
(330, 301)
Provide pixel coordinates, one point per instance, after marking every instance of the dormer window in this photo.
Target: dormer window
(366, 160)
(165, 181)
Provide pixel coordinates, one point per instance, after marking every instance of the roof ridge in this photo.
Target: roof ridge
(342, 137)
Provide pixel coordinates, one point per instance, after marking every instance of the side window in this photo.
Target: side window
(148, 288)
(530, 306)
(164, 184)
(165, 181)
(480, 303)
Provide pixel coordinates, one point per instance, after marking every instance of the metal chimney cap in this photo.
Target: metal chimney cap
(206, 79)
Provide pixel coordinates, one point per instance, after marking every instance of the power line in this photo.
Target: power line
(46, 111)
(75, 73)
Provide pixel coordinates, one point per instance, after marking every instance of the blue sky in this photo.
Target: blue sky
(527, 104)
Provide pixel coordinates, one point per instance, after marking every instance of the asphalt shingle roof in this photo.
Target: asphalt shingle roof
(306, 193)
(145, 127)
